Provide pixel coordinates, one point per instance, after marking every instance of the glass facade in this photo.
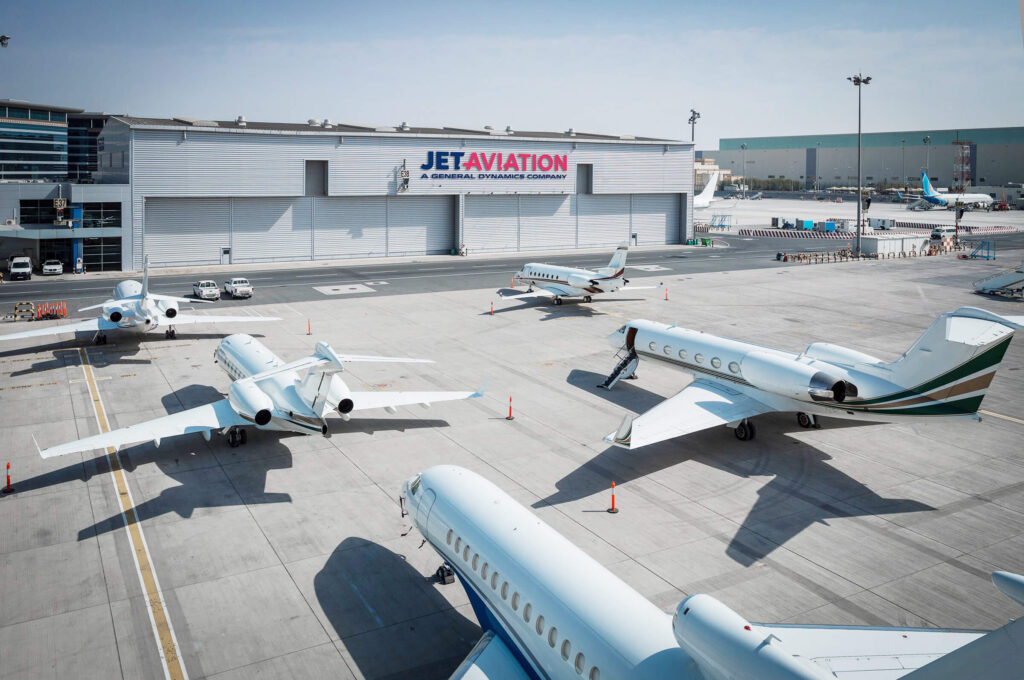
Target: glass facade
(33, 142)
(96, 215)
(83, 132)
(101, 254)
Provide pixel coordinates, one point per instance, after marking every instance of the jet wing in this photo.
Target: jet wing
(538, 293)
(366, 400)
(174, 298)
(96, 324)
(700, 405)
(490, 660)
(188, 319)
(200, 419)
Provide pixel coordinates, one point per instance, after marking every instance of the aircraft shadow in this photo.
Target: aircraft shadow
(625, 394)
(374, 600)
(372, 425)
(115, 340)
(62, 358)
(805, 488)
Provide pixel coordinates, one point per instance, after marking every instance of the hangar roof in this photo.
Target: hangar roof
(325, 127)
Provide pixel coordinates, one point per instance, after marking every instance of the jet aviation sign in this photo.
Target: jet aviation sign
(487, 166)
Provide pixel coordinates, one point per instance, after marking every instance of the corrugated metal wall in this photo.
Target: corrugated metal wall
(350, 227)
(187, 231)
(655, 218)
(420, 225)
(604, 220)
(271, 229)
(490, 223)
(546, 222)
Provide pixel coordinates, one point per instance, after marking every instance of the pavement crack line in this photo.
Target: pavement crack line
(163, 631)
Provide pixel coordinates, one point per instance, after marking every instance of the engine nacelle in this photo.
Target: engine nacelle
(250, 402)
(837, 354)
(778, 374)
(115, 313)
(580, 281)
(727, 646)
(324, 392)
(169, 308)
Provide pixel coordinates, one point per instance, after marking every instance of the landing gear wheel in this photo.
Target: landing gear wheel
(236, 437)
(100, 339)
(444, 575)
(804, 420)
(745, 431)
(587, 298)
(170, 334)
(243, 437)
(558, 301)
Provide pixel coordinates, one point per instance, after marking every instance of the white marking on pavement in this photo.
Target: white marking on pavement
(344, 289)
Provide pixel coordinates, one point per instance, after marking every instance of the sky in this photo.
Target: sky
(750, 69)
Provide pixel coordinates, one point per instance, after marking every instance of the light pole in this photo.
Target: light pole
(927, 147)
(693, 122)
(903, 164)
(817, 160)
(743, 148)
(859, 80)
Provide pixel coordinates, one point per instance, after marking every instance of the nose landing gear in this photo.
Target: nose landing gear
(745, 431)
(170, 333)
(236, 437)
(807, 420)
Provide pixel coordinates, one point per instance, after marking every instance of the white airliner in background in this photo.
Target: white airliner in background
(931, 198)
(557, 282)
(133, 308)
(945, 373)
(269, 394)
(548, 610)
(707, 196)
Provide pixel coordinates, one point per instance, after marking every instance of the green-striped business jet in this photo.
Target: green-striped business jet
(944, 374)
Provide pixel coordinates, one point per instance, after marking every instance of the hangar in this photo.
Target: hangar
(225, 192)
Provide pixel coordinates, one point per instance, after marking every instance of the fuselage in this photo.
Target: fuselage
(860, 384)
(557, 610)
(952, 200)
(570, 281)
(133, 311)
(241, 356)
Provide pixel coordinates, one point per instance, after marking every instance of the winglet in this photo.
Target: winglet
(38, 450)
(480, 390)
(621, 437)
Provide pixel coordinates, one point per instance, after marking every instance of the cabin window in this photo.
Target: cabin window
(581, 663)
(667, 350)
(465, 554)
(653, 346)
(716, 362)
(458, 544)
(476, 559)
(682, 354)
(734, 367)
(515, 602)
(526, 612)
(450, 532)
(504, 590)
(494, 581)
(553, 637)
(595, 674)
(699, 358)
(483, 571)
(566, 649)
(540, 625)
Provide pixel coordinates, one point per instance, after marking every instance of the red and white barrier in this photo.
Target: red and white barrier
(791, 233)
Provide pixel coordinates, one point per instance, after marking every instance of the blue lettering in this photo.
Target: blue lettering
(430, 161)
(457, 157)
(441, 159)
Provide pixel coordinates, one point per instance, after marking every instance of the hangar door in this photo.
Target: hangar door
(271, 229)
(350, 227)
(603, 219)
(181, 231)
(546, 222)
(655, 219)
(490, 223)
(420, 225)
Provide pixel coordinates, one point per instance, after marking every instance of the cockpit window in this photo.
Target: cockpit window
(415, 486)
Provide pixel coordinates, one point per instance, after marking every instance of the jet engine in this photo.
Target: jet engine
(580, 281)
(115, 313)
(774, 373)
(168, 308)
(725, 645)
(250, 402)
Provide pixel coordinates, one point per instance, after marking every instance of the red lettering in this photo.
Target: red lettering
(473, 162)
(561, 163)
(544, 158)
(511, 163)
(524, 157)
(489, 162)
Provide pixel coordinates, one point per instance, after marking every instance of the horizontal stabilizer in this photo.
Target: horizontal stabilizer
(91, 307)
(364, 401)
(172, 298)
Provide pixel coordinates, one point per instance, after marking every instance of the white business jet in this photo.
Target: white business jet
(548, 610)
(268, 394)
(707, 196)
(944, 374)
(133, 308)
(555, 282)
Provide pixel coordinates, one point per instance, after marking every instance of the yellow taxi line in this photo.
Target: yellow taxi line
(999, 415)
(167, 644)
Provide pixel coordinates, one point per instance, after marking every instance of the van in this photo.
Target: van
(939, 233)
(21, 268)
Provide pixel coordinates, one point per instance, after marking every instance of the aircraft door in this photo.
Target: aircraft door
(423, 509)
(630, 337)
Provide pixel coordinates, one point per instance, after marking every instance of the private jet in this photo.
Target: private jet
(555, 282)
(548, 610)
(268, 394)
(133, 308)
(944, 374)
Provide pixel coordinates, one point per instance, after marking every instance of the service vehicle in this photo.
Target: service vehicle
(206, 290)
(20, 268)
(238, 287)
(51, 267)
(939, 233)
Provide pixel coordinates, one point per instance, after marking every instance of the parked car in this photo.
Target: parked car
(53, 267)
(939, 233)
(238, 287)
(206, 290)
(21, 268)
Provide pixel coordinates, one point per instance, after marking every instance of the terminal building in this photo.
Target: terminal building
(187, 191)
(979, 156)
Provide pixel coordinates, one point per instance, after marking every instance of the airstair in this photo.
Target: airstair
(628, 361)
(986, 250)
(1007, 282)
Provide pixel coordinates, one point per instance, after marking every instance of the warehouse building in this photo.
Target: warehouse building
(212, 192)
(973, 157)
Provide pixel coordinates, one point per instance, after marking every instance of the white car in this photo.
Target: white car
(238, 287)
(206, 290)
(53, 267)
